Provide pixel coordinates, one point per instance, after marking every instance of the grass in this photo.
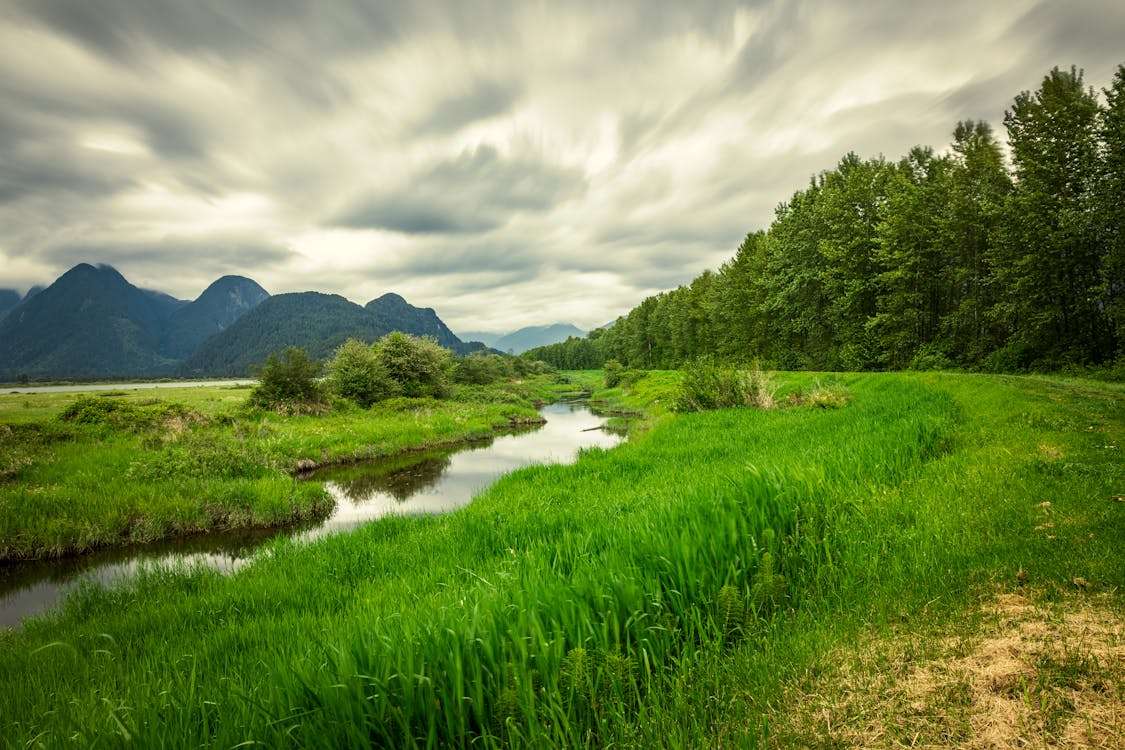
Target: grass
(663, 593)
(79, 471)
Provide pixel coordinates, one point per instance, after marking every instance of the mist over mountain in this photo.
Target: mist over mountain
(91, 323)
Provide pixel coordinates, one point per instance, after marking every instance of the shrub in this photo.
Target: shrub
(828, 396)
(357, 374)
(418, 365)
(613, 371)
(709, 385)
(930, 357)
(630, 378)
(288, 382)
(483, 369)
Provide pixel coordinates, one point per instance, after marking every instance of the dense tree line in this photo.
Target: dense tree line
(936, 260)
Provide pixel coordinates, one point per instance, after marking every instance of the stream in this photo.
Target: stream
(434, 481)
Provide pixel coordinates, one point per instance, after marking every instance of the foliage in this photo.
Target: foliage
(935, 261)
(419, 365)
(288, 381)
(707, 384)
(483, 369)
(357, 374)
(613, 373)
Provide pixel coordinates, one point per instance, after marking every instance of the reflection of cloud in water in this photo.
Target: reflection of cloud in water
(444, 482)
(429, 482)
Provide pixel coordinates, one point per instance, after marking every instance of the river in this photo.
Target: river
(425, 482)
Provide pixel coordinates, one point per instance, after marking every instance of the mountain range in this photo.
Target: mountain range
(519, 341)
(92, 323)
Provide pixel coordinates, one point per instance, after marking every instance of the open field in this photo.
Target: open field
(79, 471)
(669, 592)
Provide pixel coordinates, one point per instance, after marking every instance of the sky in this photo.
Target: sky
(508, 164)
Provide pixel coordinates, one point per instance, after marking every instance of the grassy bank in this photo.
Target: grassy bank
(662, 593)
(79, 471)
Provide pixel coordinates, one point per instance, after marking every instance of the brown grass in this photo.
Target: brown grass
(1031, 675)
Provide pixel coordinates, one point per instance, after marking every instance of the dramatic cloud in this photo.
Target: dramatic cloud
(506, 163)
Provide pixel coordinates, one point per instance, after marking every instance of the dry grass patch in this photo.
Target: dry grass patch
(1029, 675)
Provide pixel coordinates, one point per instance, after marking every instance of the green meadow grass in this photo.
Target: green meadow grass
(657, 594)
(168, 462)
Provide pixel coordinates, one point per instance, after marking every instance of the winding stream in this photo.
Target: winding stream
(427, 482)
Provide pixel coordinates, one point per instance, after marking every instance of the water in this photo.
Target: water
(80, 388)
(426, 482)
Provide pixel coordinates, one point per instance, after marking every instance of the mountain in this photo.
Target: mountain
(530, 337)
(397, 314)
(318, 323)
(220, 305)
(486, 338)
(9, 298)
(90, 323)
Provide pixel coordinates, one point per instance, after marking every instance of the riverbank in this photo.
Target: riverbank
(120, 467)
(665, 593)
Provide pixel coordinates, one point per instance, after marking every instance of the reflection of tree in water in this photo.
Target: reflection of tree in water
(401, 478)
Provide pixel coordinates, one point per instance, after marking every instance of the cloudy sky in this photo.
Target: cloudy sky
(506, 163)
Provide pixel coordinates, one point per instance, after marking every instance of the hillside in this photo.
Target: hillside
(9, 298)
(316, 322)
(220, 305)
(396, 313)
(89, 323)
(530, 337)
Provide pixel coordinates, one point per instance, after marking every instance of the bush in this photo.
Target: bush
(613, 371)
(418, 365)
(708, 385)
(483, 369)
(630, 378)
(288, 382)
(827, 397)
(930, 357)
(357, 374)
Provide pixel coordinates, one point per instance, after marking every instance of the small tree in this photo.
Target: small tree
(418, 365)
(356, 373)
(613, 372)
(482, 369)
(288, 379)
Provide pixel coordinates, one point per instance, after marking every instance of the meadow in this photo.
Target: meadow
(81, 471)
(662, 593)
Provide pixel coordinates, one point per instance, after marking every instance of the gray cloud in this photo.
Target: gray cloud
(505, 163)
(475, 192)
(486, 99)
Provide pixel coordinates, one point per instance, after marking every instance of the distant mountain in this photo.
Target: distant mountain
(93, 324)
(220, 305)
(318, 323)
(486, 338)
(9, 298)
(90, 323)
(530, 337)
(396, 314)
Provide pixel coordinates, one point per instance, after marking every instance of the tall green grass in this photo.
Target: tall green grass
(562, 602)
(81, 471)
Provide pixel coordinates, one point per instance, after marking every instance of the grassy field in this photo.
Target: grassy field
(669, 592)
(79, 471)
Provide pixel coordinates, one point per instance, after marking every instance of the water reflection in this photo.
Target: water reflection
(425, 482)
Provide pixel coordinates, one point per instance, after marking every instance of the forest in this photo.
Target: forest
(982, 257)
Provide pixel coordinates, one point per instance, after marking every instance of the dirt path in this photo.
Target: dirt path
(1029, 674)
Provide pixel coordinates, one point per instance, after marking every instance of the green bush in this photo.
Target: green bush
(709, 385)
(613, 371)
(419, 365)
(288, 382)
(356, 373)
(483, 369)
